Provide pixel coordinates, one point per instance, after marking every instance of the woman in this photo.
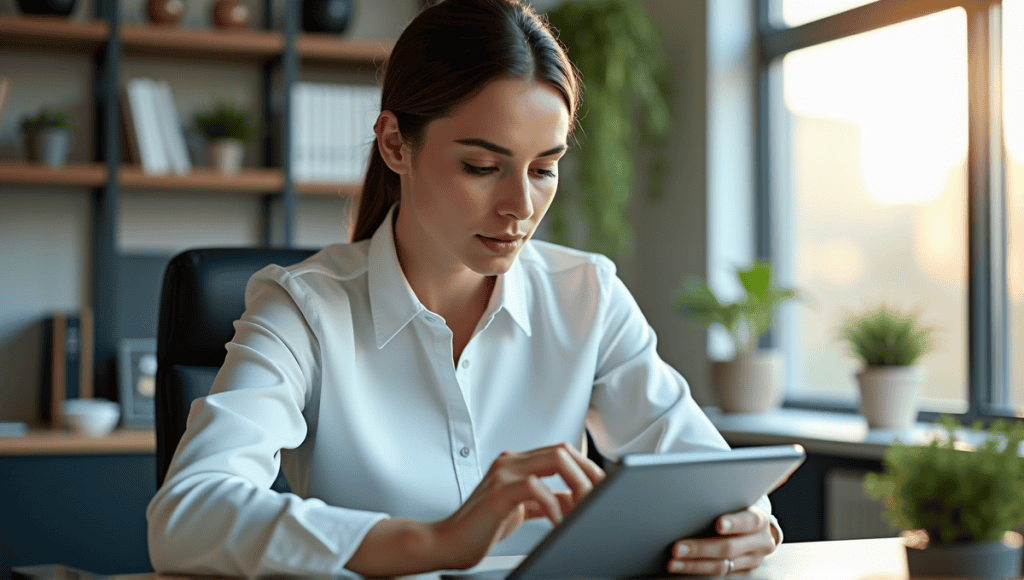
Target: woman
(420, 385)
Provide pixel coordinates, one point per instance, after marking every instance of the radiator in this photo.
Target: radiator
(850, 513)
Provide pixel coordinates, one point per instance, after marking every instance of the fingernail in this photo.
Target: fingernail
(682, 550)
(677, 567)
(726, 525)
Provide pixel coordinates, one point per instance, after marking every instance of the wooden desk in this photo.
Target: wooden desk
(879, 559)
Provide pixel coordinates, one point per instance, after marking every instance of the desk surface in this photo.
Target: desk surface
(880, 559)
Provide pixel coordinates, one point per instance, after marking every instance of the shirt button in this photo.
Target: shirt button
(465, 364)
(464, 452)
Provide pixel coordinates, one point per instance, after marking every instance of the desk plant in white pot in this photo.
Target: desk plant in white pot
(227, 127)
(957, 503)
(750, 382)
(889, 344)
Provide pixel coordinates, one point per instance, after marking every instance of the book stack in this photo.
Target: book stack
(332, 131)
(155, 135)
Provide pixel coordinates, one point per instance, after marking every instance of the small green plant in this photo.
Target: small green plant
(617, 47)
(48, 118)
(885, 336)
(227, 121)
(955, 494)
(747, 319)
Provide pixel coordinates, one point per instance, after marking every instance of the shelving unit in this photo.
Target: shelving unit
(280, 54)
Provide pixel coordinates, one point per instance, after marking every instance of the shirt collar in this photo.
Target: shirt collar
(393, 303)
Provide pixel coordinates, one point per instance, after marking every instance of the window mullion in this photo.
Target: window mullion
(987, 387)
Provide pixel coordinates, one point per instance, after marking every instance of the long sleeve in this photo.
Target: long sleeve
(640, 403)
(216, 513)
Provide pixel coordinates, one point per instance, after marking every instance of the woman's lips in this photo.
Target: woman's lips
(501, 245)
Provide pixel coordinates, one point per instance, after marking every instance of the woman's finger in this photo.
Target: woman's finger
(578, 472)
(722, 547)
(716, 567)
(745, 522)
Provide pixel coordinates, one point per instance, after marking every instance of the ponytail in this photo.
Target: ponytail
(381, 189)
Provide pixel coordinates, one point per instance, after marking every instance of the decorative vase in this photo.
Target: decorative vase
(749, 383)
(48, 146)
(165, 12)
(326, 15)
(226, 155)
(49, 7)
(888, 395)
(231, 14)
(978, 560)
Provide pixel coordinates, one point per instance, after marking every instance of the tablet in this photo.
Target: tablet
(626, 525)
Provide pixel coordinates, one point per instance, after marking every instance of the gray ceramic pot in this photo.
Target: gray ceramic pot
(49, 146)
(987, 560)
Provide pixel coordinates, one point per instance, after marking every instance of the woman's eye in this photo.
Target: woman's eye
(545, 173)
(477, 170)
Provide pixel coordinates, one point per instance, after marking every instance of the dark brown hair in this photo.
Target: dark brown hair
(442, 59)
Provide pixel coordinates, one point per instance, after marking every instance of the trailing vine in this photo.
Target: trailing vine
(617, 48)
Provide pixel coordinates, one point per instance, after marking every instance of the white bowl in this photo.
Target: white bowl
(92, 417)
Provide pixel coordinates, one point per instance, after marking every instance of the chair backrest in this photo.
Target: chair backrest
(203, 294)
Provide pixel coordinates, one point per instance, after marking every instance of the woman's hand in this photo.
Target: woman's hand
(510, 493)
(744, 539)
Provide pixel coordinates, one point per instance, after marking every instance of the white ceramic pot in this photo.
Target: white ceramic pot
(750, 383)
(226, 155)
(888, 395)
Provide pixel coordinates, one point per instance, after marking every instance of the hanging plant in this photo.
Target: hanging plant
(617, 48)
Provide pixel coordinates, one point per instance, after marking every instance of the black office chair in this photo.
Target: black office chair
(203, 294)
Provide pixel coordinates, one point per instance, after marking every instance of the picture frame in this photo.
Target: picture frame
(137, 380)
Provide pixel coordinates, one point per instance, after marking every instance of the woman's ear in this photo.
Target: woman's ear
(390, 143)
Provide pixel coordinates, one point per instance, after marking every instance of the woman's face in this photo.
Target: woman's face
(481, 179)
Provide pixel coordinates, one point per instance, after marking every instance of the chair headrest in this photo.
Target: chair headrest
(203, 294)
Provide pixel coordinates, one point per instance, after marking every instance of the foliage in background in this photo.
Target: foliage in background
(747, 319)
(955, 495)
(887, 337)
(48, 118)
(227, 120)
(617, 48)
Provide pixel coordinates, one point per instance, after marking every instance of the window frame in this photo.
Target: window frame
(988, 329)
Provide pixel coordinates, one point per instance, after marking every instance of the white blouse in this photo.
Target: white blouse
(340, 376)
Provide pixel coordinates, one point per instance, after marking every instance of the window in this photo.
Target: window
(872, 193)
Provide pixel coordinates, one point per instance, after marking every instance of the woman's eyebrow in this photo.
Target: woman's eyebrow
(503, 151)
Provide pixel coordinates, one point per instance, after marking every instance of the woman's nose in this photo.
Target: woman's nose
(515, 199)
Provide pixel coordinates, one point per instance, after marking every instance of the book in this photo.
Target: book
(147, 129)
(170, 127)
(5, 87)
(67, 367)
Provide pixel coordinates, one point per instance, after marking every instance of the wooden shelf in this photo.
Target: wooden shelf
(251, 180)
(86, 37)
(322, 49)
(52, 34)
(60, 442)
(70, 175)
(200, 44)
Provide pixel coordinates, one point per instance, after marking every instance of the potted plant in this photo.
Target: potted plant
(48, 136)
(227, 127)
(618, 50)
(889, 343)
(957, 504)
(751, 381)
